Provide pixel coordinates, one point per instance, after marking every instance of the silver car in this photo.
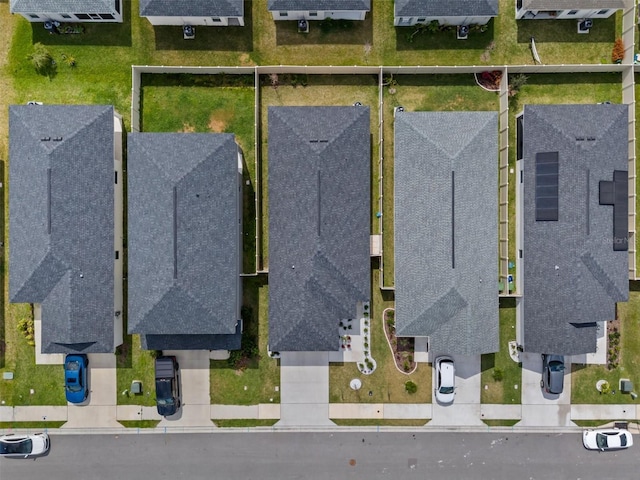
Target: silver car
(24, 446)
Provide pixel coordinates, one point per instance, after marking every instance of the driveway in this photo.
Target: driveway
(304, 389)
(538, 407)
(465, 409)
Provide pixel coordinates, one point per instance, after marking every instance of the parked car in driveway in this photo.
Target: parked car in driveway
(445, 379)
(606, 439)
(24, 446)
(75, 378)
(552, 373)
(167, 386)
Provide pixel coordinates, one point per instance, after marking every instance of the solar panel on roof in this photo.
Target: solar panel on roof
(547, 170)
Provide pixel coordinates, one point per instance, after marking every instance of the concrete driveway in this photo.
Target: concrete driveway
(538, 407)
(465, 409)
(304, 389)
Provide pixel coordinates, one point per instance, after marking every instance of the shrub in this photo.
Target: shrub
(41, 59)
(410, 387)
(498, 374)
(406, 366)
(618, 51)
(27, 328)
(605, 387)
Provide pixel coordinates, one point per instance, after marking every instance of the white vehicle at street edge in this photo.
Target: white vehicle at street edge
(445, 379)
(24, 446)
(606, 439)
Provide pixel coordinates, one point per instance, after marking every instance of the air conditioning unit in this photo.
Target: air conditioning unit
(189, 32)
(584, 25)
(462, 32)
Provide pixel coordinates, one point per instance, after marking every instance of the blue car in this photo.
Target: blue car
(75, 378)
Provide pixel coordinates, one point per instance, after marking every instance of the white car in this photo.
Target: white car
(445, 379)
(24, 446)
(606, 439)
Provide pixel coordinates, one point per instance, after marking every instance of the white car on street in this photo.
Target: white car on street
(24, 446)
(606, 439)
(445, 379)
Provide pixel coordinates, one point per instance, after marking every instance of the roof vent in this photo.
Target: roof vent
(45, 139)
(57, 139)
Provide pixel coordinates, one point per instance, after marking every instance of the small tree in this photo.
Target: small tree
(410, 387)
(618, 51)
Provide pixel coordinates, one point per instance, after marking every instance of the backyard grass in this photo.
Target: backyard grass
(244, 423)
(139, 423)
(257, 380)
(372, 422)
(208, 103)
(315, 90)
(134, 363)
(421, 93)
(502, 391)
(386, 383)
(584, 377)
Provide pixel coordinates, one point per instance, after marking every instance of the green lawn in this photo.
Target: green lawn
(139, 423)
(30, 425)
(502, 391)
(500, 423)
(386, 383)
(584, 377)
(134, 363)
(258, 381)
(244, 423)
(372, 422)
(422, 93)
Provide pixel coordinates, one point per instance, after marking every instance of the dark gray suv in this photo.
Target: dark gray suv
(552, 373)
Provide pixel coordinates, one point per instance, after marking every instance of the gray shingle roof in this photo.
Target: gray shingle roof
(62, 6)
(322, 5)
(572, 277)
(184, 256)
(195, 8)
(193, 342)
(319, 223)
(446, 217)
(450, 8)
(571, 4)
(61, 230)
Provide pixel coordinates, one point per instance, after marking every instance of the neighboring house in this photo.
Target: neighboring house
(451, 12)
(184, 239)
(319, 9)
(572, 224)
(567, 9)
(65, 223)
(68, 10)
(216, 13)
(319, 223)
(445, 229)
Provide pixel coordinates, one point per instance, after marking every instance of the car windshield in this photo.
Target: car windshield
(446, 390)
(73, 366)
(73, 385)
(7, 448)
(556, 367)
(165, 401)
(601, 440)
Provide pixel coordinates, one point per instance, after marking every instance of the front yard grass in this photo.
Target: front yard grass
(245, 422)
(495, 364)
(584, 377)
(421, 93)
(256, 381)
(386, 383)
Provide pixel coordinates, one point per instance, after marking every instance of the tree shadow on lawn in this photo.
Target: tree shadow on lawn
(442, 40)
(326, 32)
(558, 31)
(170, 37)
(99, 34)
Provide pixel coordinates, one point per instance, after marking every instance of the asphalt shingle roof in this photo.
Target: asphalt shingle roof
(572, 277)
(62, 6)
(184, 257)
(61, 230)
(319, 223)
(322, 5)
(193, 8)
(571, 4)
(445, 228)
(450, 8)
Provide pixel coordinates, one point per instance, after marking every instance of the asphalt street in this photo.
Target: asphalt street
(285, 456)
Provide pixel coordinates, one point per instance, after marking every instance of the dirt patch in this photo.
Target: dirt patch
(245, 59)
(219, 120)
(187, 128)
(216, 125)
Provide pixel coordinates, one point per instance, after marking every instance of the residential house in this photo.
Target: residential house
(216, 13)
(445, 230)
(451, 12)
(567, 9)
(319, 9)
(68, 10)
(319, 223)
(572, 224)
(65, 223)
(184, 238)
